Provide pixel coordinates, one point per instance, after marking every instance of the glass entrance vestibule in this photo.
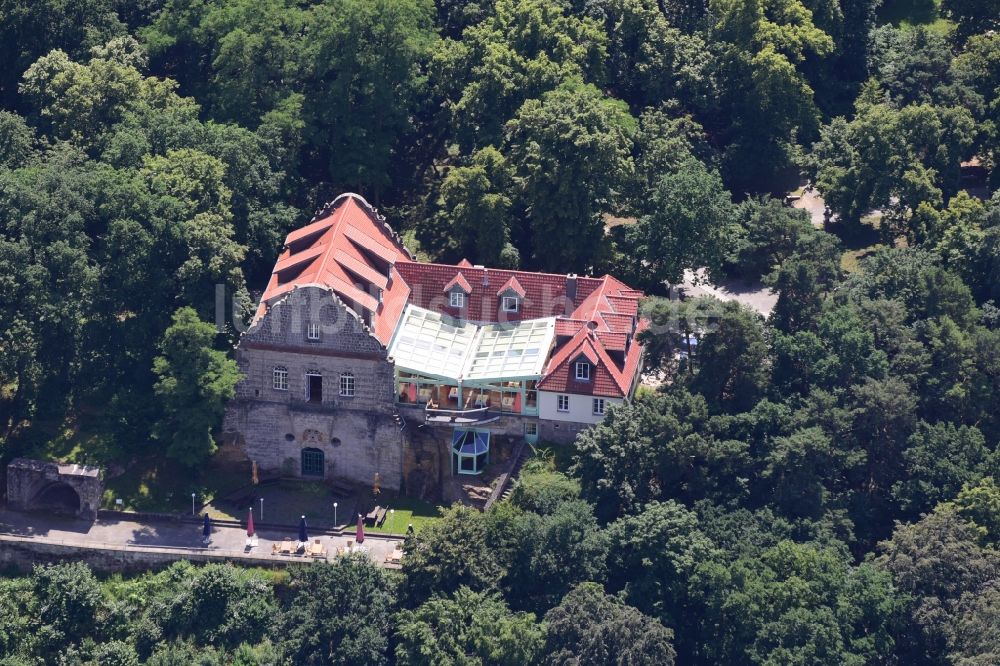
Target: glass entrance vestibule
(470, 451)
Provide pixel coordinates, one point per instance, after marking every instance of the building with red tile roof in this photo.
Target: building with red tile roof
(349, 318)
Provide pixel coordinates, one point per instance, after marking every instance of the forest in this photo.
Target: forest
(821, 486)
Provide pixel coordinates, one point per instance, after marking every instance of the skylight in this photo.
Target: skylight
(433, 344)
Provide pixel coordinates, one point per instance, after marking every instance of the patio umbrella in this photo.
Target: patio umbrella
(303, 536)
(250, 524)
(360, 537)
(206, 529)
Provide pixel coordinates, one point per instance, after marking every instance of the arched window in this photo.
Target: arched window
(280, 378)
(347, 385)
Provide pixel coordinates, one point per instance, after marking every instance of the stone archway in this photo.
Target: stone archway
(58, 497)
(36, 485)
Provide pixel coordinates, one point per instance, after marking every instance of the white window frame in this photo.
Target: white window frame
(456, 299)
(347, 385)
(562, 403)
(511, 304)
(598, 406)
(279, 380)
(583, 376)
(312, 331)
(531, 428)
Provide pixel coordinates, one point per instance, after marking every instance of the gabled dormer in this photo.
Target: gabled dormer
(511, 295)
(458, 290)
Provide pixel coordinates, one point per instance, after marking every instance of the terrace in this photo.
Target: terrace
(462, 373)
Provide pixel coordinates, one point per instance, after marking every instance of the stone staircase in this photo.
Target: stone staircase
(505, 486)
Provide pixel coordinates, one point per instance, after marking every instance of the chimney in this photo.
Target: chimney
(571, 286)
(486, 274)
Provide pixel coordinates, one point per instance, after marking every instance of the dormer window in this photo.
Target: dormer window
(511, 304)
(583, 371)
(456, 299)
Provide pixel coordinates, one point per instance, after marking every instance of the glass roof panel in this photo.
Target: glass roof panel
(429, 343)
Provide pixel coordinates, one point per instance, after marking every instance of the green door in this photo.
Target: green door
(313, 463)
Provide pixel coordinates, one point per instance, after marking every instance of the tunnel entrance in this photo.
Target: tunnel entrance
(57, 498)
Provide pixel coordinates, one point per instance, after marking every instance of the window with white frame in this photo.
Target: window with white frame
(280, 378)
(347, 385)
(312, 331)
(583, 371)
(598, 406)
(562, 403)
(530, 428)
(511, 303)
(456, 299)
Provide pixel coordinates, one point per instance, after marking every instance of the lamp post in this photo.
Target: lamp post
(192, 504)
(392, 520)
(261, 509)
(335, 523)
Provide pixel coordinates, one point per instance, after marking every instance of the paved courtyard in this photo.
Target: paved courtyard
(227, 541)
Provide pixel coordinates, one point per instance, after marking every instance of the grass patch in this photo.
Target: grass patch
(408, 511)
(907, 13)
(158, 484)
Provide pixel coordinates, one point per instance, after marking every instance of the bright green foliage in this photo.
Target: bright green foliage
(980, 505)
(893, 159)
(591, 627)
(339, 614)
(31, 28)
(572, 147)
(69, 596)
(541, 490)
(194, 383)
(471, 628)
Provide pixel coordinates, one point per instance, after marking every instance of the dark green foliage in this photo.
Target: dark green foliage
(68, 596)
(591, 627)
(448, 554)
(541, 490)
(194, 383)
(472, 628)
(688, 223)
(152, 150)
(338, 614)
(572, 146)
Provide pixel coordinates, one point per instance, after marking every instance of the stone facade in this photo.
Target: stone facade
(316, 344)
(47, 486)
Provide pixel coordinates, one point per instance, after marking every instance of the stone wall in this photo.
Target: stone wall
(39, 485)
(559, 432)
(356, 445)
(359, 435)
(23, 553)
